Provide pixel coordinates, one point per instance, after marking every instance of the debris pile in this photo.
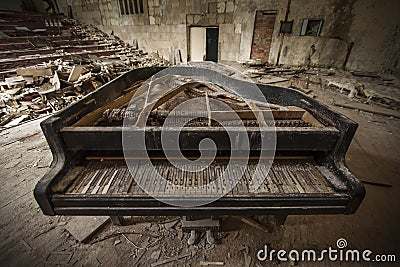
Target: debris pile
(47, 74)
(364, 87)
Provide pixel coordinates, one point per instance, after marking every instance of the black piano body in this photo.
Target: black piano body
(80, 179)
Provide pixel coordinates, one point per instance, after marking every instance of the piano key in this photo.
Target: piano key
(233, 180)
(290, 185)
(276, 181)
(181, 180)
(168, 184)
(151, 179)
(123, 179)
(210, 173)
(317, 176)
(302, 178)
(110, 170)
(107, 187)
(164, 181)
(114, 178)
(268, 180)
(189, 180)
(206, 188)
(223, 178)
(291, 179)
(130, 181)
(262, 176)
(140, 176)
(87, 186)
(197, 178)
(146, 178)
(80, 183)
(174, 179)
(240, 186)
(245, 179)
(74, 176)
(118, 180)
(217, 179)
(99, 181)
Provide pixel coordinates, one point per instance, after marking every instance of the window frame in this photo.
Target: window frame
(304, 27)
(131, 7)
(286, 26)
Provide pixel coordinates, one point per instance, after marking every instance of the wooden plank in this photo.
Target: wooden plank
(84, 227)
(34, 71)
(368, 108)
(75, 73)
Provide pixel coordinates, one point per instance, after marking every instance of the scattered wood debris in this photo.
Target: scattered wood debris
(50, 71)
(376, 183)
(162, 262)
(211, 263)
(368, 108)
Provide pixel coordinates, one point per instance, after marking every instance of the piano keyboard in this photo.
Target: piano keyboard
(114, 178)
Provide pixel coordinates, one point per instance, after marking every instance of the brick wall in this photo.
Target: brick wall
(262, 37)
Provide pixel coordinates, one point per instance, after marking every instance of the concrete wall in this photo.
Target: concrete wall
(364, 34)
(375, 32)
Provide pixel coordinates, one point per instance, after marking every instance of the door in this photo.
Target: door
(212, 44)
(197, 43)
(204, 44)
(262, 36)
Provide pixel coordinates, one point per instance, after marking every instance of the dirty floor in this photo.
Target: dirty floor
(28, 238)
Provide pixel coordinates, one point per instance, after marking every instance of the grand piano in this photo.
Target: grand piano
(93, 174)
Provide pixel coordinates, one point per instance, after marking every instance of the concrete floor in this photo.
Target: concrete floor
(28, 238)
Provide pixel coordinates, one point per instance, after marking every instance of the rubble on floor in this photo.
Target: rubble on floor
(31, 239)
(365, 88)
(44, 71)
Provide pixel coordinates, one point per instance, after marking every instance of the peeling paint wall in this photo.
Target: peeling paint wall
(356, 34)
(329, 48)
(376, 35)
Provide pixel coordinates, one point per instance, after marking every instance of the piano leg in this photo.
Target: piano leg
(117, 220)
(196, 226)
(210, 238)
(193, 238)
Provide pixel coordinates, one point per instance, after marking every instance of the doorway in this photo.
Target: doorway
(204, 43)
(212, 44)
(262, 36)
